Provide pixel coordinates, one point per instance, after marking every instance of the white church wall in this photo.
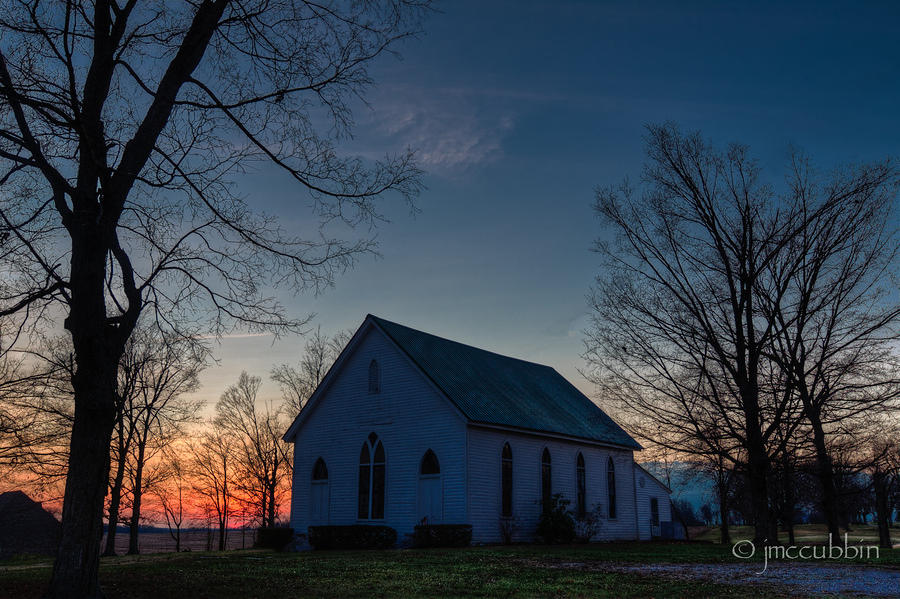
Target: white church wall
(485, 447)
(647, 488)
(407, 415)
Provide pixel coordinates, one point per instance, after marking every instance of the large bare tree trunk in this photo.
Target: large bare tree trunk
(825, 472)
(77, 563)
(757, 473)
(757, 462)
(879, 481)
(724, 533)
(97, 353)
(76, 567)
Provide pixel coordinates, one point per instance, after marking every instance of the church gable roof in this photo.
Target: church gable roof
(493, 389)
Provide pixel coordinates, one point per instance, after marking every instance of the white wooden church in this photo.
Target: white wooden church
(409, 427)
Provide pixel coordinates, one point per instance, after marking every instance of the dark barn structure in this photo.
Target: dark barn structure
(26, 527)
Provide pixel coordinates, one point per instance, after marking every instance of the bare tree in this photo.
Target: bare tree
(48, 410)
(723, 474)
(212, 479)
(20, 424)
(685, 320)
(254, 429)
(121, 125)
(158, 410)
(676, 315)
(130, 366)
(892, 468)
(45, 411)
(839, 319)
(171, 496)
(299, 382)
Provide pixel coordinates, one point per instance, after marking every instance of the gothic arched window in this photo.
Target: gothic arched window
(430, 464)
(318, 494)
(580, 487)
(371, 479)
(431, 490)
(611, 487)
(320, 471)
(506, 481)
(546, 479)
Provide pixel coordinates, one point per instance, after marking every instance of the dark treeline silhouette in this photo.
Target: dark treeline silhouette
(797, 495)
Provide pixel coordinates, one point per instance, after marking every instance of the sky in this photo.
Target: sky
(519, 110)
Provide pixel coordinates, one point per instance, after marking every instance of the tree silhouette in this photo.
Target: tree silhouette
(701, 286)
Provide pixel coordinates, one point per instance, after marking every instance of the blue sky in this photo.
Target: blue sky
(520, 109)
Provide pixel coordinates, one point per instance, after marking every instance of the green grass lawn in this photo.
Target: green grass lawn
(525, 571)
(499, 571)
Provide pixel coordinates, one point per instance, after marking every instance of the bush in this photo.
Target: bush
(275, 538)
(442, 535)
(589, 525)
(509, 526)
(354, 536)
(556, 524)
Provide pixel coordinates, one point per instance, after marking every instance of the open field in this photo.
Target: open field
(600, 570)
(803, 533)
(160, 541)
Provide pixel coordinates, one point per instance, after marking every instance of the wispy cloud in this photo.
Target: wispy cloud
(235, 336)
(452, 129)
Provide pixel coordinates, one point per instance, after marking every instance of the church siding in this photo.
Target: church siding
(651, 488)
(408, 416)
(485, 446)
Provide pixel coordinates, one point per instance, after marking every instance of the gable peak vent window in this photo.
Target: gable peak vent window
(374, 377)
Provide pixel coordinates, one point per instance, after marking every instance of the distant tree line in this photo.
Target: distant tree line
(753, 327)
(796, 496)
